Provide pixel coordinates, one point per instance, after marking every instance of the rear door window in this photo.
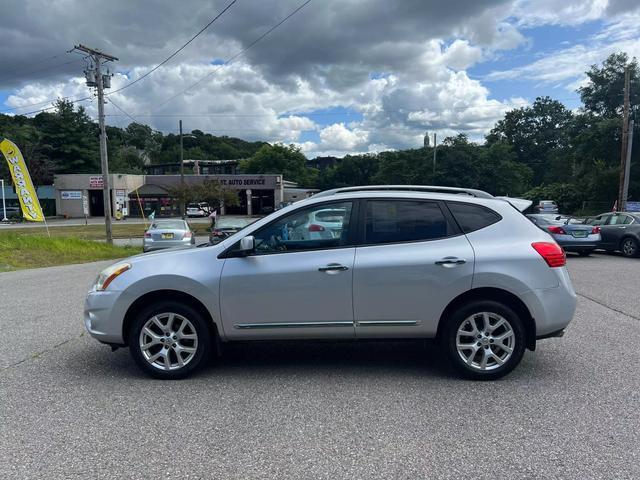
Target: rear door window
(619, 220)
(394, 221)
(473, 217)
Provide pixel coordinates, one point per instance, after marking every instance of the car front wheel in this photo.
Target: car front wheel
(169, 340)
(484, 340)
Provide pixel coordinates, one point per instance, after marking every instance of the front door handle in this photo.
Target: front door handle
(451, 262)
(333, 267)
(622, 228)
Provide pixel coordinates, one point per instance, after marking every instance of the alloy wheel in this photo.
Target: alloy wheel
(629, 247)
(485, 341)
(168, 341)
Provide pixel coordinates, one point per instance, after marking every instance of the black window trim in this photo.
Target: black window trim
(456, 231)
(447, 202)
(352, 237)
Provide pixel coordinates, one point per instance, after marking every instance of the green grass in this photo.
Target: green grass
(19, 251)
(86, 232)
(96, 231)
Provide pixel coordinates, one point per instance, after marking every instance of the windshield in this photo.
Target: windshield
(169, 225)
(234, 222)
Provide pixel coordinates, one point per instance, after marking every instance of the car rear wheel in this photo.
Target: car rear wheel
(629, 247)
(484, 340)
(169, 340)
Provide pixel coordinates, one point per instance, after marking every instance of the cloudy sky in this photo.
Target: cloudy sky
(339, 76)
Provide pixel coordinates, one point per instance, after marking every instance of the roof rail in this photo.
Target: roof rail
(406, 188)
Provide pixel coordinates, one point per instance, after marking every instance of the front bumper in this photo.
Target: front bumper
(102, 317)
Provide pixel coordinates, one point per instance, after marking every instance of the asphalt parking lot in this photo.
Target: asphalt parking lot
(69, 408)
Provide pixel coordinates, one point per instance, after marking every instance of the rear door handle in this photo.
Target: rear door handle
(622, 228)
(451, 261)
(333, 267)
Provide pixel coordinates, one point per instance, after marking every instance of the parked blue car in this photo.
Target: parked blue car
(572, 237)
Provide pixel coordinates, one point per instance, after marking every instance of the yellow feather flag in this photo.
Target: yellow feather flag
(31, 209)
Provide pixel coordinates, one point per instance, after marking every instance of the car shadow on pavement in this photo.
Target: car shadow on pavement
(395, 358)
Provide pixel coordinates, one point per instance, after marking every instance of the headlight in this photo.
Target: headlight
(108, 275)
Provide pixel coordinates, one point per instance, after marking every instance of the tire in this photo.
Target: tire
(511, 330)
(585, 253)
(180, 335)
(629, 247)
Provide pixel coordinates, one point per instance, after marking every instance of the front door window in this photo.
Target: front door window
(319, 227)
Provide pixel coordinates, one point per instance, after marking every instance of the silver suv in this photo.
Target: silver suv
(454, 265)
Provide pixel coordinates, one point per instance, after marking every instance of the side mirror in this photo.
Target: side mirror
(247, 244)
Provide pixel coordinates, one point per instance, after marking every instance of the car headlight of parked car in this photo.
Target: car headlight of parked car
(109, 274)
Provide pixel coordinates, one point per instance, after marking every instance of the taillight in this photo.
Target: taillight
(147, 235)
(551, 252)
(316, 228)
(188, 235)
(557, 230)
(595, 230)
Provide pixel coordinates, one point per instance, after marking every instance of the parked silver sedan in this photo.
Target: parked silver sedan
(167, 234)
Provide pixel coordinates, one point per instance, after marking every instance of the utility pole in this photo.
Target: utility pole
(182, 192)
(622, 199)
(96, 79)
(435, 148)
(627, 169)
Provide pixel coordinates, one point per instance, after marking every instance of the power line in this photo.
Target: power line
(127, 85)
(122, 110)
(53, 106)
(241, 52)
(176, 52)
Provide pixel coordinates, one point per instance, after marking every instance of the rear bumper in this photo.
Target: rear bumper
(569, 242)
(150, 245)
(552, 308)
(579, 246)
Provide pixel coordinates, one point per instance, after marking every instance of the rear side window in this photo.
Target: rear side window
(392, 221)
(472, 217)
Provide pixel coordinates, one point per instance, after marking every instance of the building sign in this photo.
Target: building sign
(633, 206)
(96, 181)
(232, 182)
(71, 195)
(85, 205)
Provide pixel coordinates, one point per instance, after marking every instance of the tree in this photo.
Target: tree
(287, 160)
(209, 191)
(350, 171)
(500, 173)
(69, 139)
(568, 196)
(126, 160)
(534, 133)
(603, 94)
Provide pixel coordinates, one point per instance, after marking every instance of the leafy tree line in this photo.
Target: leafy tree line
(543, 151)
(67, 141)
